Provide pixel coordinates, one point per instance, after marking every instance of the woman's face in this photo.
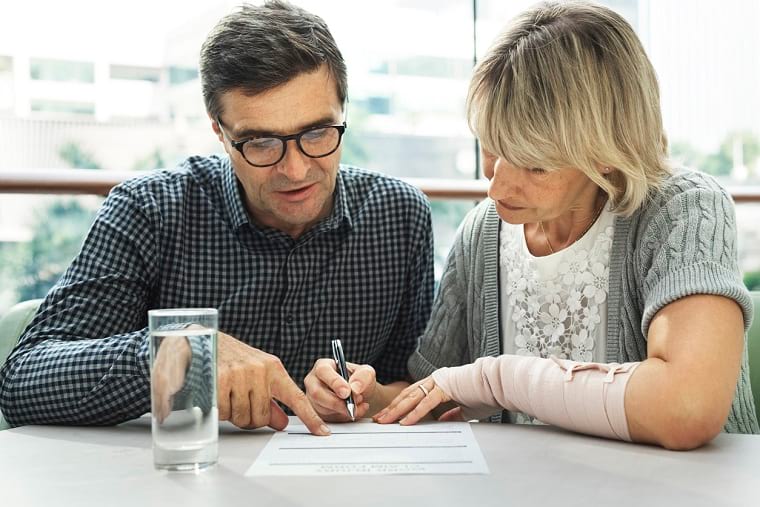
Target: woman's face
(528, 195)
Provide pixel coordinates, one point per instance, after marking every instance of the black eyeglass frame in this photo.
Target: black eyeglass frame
(238, 145)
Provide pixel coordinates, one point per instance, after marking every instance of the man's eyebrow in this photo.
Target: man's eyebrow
(247, 133)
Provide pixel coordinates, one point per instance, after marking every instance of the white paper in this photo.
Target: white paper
(364, 448)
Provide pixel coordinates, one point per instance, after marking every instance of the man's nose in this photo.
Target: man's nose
(295, 164)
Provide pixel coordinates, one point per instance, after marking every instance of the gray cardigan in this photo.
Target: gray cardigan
(681, 242)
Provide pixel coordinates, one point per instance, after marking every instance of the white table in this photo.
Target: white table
(533, 466)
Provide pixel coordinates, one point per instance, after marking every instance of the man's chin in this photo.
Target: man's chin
(298, 219)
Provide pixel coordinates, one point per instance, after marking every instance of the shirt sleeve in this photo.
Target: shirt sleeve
(200, 382)
(84, 358)
(689, 247)
(418, 298)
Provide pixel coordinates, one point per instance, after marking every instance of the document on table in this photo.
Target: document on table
(364, 448)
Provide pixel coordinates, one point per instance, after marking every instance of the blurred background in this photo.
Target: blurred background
(114, 86)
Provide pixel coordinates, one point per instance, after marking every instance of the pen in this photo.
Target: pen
(340, 360)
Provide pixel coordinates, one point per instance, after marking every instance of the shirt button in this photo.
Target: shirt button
(289, 318)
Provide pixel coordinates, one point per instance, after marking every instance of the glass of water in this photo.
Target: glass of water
(184, 416)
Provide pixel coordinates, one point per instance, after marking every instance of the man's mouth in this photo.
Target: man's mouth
(297, 194)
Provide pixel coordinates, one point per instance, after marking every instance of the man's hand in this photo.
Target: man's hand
(327, 390)
(249, 380)
(168, 374)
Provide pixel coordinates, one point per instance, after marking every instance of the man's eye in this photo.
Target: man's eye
(263, 143)
(314, 134)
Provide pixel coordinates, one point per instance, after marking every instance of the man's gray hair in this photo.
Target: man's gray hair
(257, 48)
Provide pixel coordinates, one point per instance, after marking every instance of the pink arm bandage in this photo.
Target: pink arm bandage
(583, 397)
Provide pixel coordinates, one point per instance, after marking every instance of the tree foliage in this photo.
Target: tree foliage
(32, 268)
(56, 240)
(76, 157)
(721, 162)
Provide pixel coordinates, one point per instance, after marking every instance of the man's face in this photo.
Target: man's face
(297, 192)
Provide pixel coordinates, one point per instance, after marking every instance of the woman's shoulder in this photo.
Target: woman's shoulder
(684, 181)
(686, 191)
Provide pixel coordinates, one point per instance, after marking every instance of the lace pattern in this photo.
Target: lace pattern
(556, 313)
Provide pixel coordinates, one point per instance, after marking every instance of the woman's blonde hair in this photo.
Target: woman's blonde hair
(568, 84)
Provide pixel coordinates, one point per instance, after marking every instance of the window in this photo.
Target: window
(134, 73)
(62, 70)
(409, 62)
(55, 107)
(6, 84)
(179, 75)
(6, 64)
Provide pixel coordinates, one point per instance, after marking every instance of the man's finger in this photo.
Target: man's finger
(261, 401)
(163, 407)
(223, 405)
(157, 397)
(278, 420)
(240, 410)
(285, 390)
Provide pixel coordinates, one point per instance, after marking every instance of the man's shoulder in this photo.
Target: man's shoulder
(365, 186)
(193, 174)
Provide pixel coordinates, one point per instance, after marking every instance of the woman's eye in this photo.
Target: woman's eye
(537, 170)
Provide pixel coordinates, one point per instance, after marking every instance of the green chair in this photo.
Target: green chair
(753, 349)
(12, 325)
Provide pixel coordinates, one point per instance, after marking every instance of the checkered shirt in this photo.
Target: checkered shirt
(183, 238)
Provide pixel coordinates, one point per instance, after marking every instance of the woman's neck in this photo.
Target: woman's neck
(546, 237)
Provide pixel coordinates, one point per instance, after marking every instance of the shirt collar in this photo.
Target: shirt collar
(340, 215)
(232, 198)
(341, 212)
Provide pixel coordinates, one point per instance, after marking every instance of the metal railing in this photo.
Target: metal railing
(100, 182)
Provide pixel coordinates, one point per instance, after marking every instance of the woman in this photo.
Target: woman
(607, 281)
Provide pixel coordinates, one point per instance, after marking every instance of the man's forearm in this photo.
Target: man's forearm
(88, 381)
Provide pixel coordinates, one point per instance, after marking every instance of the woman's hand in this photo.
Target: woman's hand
(414, 403)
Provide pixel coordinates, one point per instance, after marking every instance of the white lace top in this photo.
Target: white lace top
(556, 304)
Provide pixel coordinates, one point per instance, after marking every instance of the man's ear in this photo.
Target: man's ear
(217, 130)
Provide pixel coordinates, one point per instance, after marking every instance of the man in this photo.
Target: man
(292, 249)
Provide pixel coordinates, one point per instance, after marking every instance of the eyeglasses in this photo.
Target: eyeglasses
(268, 150)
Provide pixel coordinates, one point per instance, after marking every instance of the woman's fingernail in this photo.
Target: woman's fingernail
(343, 392)
(356, 387)
(324, 429)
